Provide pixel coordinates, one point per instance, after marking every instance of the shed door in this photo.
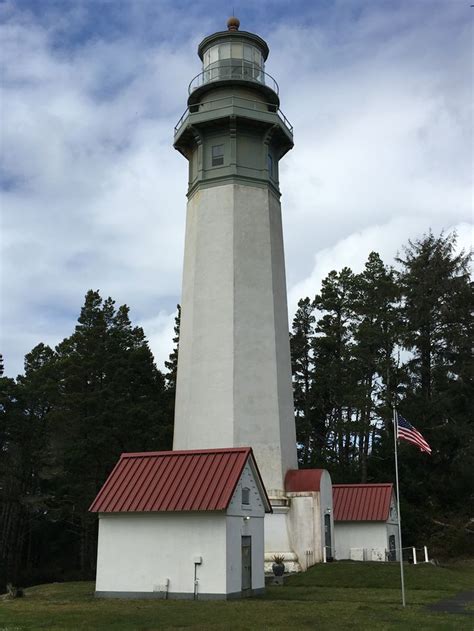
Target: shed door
(392, 554)
(327, 536)
(246, 563)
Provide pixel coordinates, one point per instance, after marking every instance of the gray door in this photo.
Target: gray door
(392, 553)
(327, 536)
(246, 563)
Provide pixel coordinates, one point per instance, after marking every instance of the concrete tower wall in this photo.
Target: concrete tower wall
(234, 372)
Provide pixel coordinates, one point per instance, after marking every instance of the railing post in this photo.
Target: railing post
(414, 556)
(426, 554)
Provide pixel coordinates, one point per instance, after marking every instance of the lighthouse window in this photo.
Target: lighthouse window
(258, 58)
(224, 51)
(213, 54)
(237, 51)
(245, 496)
(270, 165)
(217, 155)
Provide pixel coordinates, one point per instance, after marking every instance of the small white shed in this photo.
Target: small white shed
(182, 524)
(366, 522)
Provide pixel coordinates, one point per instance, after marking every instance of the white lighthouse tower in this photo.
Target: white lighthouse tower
(234, 371)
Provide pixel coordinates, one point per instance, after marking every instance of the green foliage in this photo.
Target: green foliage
(63, 427)
(302, 367)
(382, 336)
(172, 366)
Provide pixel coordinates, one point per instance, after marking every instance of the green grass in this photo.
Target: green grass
(333, 596)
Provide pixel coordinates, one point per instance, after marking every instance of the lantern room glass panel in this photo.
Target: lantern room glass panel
(233, 60)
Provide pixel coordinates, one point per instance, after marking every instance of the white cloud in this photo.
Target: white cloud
(95, 194)
(160, 333)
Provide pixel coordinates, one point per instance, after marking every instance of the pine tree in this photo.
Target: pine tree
(172, 366)
(112, 400)
(375, 334)
(334, 378)
(25, 464)
(437, 330)
(63, 426)
(301, 341)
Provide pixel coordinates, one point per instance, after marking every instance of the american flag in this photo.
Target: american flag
(412, 435)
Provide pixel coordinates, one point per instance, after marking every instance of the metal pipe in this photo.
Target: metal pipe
(395, 435)
(196, 582)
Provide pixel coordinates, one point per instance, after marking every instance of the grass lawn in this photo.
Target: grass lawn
(338, 596)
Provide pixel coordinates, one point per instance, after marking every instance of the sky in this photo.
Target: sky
(93, 194)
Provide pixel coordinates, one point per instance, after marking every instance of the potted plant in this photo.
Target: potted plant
(278, 566)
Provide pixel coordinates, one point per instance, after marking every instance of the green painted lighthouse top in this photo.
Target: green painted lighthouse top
(233, 56)
(233, 91)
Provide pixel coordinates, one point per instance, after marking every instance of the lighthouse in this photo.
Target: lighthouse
(234, 386)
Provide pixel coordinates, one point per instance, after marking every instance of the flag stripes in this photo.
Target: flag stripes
(406, 431)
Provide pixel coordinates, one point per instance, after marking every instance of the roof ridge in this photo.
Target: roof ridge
(366, 484)
(189, 452)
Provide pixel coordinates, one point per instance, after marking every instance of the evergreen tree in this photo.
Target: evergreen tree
(437, 330)
(172, 366)
(111, 400)
(301, 341)
(375, 334)
(334, 376)
(63, 427)
(25, 464)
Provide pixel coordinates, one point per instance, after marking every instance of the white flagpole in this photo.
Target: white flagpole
(395, 435)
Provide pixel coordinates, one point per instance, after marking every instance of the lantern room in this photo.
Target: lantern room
(233, 55)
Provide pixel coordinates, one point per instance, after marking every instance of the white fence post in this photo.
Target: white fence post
(324, 554)
(426, 554)
(414, 556)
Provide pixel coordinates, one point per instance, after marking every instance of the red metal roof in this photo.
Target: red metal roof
(362, 502)
(198, 480)
(298, 480)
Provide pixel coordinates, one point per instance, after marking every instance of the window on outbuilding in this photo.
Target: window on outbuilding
(245, 496)
(217, 155)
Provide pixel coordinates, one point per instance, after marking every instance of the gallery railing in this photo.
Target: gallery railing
(234, 69)
(215, 105)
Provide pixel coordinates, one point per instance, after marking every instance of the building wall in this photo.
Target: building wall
(238, 526)
(326, 508)
(234, 373)
(137, 552)
(204, 389)
(306, 522)
(367, 535)
(304, 526)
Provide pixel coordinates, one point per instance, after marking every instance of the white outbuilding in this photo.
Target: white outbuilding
(366, 522)
(182, 524)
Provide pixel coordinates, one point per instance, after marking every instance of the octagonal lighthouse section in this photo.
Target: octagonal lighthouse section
(234, 372)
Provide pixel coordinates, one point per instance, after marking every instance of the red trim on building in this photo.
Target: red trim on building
(362, 502)
(194, 480)
(300, 480)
